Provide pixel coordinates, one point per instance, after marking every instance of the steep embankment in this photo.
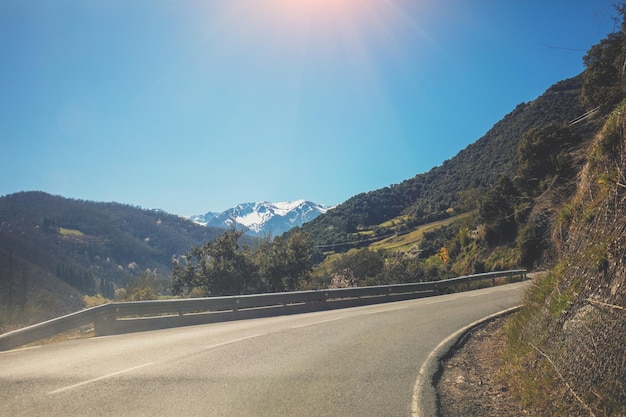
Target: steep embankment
(567, 347)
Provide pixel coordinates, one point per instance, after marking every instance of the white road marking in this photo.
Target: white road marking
(384, 311)
(100, 378)
(19, 350)
(441, 301)
(317, 322)
(123, 371)
(229, 342)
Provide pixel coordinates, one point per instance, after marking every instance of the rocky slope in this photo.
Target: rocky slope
(566, 351)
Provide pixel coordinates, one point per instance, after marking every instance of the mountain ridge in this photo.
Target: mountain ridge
(454, 186)
(264, 218)
(66, 247)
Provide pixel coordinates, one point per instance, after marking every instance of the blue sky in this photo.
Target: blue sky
(197, 105)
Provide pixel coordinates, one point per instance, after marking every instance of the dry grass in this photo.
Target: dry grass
(405, 241)
(70, 232)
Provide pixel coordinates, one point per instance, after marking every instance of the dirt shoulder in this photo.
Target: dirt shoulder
(469, 384)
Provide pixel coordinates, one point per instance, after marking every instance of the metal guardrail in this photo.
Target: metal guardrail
(125, 317)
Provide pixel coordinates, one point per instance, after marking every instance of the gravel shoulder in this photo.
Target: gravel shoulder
(469, 384)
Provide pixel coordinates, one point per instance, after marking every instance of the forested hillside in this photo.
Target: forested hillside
(53, 250)
(457, 184)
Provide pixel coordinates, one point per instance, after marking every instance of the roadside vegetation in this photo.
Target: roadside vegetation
(566, 348)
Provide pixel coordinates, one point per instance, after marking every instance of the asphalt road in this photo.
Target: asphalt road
(360, 361)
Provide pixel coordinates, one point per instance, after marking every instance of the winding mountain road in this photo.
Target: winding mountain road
(360, 361)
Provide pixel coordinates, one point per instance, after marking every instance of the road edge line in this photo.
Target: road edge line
(424, 400)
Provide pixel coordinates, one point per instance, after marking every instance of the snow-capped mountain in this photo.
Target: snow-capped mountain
(264, 218)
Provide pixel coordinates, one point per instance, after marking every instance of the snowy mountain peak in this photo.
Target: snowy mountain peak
(264, 218)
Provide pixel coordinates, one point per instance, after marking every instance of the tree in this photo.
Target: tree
(8, 285)
(24, 286)
(543, 153)
(141, 288)
(299, 262)
(220, 267)
(403, 266)
(605, 64)
(358, 266)
(271, 263)
(497, 211)
(531, 243)
(285, 263)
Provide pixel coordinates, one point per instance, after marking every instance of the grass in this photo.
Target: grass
(395, 222)
(70, 232)
(409, 239)
(94, 300)
(523, 331)
(502, 258)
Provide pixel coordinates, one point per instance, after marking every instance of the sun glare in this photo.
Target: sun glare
(318, 11)
(295, 44)
(325, 25)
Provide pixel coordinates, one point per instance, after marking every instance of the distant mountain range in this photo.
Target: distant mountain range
(264, 218)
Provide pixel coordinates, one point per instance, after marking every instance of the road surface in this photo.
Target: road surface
(360, 361)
